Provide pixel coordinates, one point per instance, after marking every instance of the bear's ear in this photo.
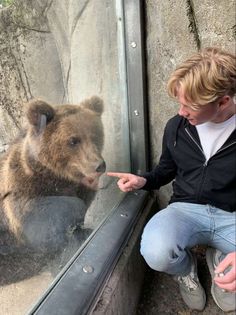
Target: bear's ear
(94, 103)
(39, 114)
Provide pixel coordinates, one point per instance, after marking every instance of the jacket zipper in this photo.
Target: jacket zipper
(222, 149)
(226, 147)
(192, 138)
(199, 190)
(206, 162)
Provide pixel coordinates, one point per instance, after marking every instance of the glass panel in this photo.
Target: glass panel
(57, 52)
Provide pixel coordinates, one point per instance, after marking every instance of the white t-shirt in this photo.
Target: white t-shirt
(213, 136)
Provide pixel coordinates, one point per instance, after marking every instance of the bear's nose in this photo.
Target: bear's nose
(101, 167)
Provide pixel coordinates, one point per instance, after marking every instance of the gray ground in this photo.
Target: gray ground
(161, 295)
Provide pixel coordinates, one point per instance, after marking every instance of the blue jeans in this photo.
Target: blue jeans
(171, 233)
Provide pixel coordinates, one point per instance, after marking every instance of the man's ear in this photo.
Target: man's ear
(224, 101)
(94, 103)
(39, 114)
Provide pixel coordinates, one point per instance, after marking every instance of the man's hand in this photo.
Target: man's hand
(128, 182)
(227, 281)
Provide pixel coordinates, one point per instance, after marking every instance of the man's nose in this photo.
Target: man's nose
(182, 111)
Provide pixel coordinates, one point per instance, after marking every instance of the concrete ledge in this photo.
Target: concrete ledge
(122, 291)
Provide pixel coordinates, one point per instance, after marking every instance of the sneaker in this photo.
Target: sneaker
(191, 290)
(225, 300)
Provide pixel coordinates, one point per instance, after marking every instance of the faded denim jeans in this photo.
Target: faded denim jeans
(172, 232)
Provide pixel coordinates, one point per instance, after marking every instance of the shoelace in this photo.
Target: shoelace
(216, 261)
(188, 281)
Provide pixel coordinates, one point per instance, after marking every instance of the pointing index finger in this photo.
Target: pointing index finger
(119, 175)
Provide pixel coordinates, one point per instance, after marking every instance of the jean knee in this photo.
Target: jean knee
(162, 244)
(157, 254)
(153, 259)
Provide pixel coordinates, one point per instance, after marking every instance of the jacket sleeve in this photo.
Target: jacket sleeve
(165, 171)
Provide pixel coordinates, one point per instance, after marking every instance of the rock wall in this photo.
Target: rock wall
(175, 30)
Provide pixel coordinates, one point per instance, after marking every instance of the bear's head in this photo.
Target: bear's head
(67, 139)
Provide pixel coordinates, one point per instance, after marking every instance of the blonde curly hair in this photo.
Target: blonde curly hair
(205, 77)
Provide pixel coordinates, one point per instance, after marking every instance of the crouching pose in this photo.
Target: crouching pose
(199, 155)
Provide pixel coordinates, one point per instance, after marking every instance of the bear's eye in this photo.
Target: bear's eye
(73, 141)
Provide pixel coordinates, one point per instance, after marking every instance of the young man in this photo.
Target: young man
(199, 155)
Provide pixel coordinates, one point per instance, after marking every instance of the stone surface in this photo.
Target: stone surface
(175, 30)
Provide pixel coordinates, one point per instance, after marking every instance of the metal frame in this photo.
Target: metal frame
(136, 80)
(76, 289)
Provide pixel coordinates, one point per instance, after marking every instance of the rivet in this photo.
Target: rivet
(124, 215)
(136, 112)
(88, 269)
(133, 45)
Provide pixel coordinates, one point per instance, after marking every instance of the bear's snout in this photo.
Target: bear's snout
(101, 168)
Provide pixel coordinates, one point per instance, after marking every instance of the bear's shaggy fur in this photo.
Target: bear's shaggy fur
(50, 173)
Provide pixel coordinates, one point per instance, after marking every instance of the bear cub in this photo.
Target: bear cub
(50, 174)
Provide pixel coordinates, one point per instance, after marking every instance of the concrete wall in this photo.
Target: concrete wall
(175, 30)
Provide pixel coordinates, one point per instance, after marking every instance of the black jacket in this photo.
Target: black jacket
(195, 180)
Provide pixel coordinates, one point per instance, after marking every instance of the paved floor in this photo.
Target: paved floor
(161, 295)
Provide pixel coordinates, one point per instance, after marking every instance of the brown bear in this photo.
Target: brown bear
(49, 175)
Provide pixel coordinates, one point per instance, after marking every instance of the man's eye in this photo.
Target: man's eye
(73, 141)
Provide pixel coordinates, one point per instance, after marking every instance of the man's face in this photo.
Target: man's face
(208, 112)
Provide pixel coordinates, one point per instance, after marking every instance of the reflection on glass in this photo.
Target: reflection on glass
(54, 192)
(5, 3)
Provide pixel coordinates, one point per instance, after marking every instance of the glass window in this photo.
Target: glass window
(61, 52)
